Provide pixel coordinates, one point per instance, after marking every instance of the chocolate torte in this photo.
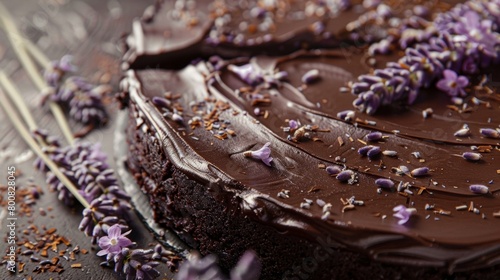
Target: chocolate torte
(211, 90)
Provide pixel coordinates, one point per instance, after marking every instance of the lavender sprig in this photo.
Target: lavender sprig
(108, 213)
(461, 39)
(85, 165)
(83, 99)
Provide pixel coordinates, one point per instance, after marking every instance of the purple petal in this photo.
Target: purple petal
(124, 242)
(102, 253)
(462, 81)
(104, 242)
(267, 161)
(450, 75)
(443, 85)
(114, 231)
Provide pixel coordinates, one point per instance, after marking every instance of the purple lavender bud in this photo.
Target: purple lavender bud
(293, 124)
(390, 153)
(479, 189)
(489, 132)
(419, 172)
(310, 76)
(403, 213)
(364, 150)
(373, 152)
(370, 79)
(346, 115)
(161, 102)
(381, 47)
(374, 136)
(360, 87)
(247, 73)
(378, 88)
(345, 175)
(385, 183)
(383, 73)
(257, 111)
(462, 132)
(427, 113)
(373, 104)
(472, 156)
(358, 102)
(177, 118)
(333, 170)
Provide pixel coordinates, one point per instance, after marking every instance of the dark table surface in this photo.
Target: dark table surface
(89, 30)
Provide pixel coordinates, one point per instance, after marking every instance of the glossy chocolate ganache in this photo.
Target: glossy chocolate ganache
(209, 115)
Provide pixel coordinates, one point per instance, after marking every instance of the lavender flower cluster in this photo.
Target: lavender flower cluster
(85, 165)
(83, 99)
(462, 40)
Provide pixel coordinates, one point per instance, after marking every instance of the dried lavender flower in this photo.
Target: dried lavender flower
(462, 132)
(390, 153)
(472, 156)
(403, 213)
(419, 172)
(345, 175)
(346, 115)
(452, 84)
(248, 73)
(479, 189)
(333, 170)
(293, 124)
(262, 154)
(364, 150)
(385, 183)
(113, 243)
(489, 132)
(161, 102)
(373, 152)
(310, 76)
(374, 136)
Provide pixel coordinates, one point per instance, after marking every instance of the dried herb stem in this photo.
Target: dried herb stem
(17, 42)
(12, 91)
(25, 134)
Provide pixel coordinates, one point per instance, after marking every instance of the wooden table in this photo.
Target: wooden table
(89, 30)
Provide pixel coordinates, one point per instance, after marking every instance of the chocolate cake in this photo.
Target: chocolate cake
(255, 144)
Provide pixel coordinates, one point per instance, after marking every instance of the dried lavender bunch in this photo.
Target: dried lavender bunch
(247, 268)
(85, 165)
(468, 38)
(109, 209)
(83, 99)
